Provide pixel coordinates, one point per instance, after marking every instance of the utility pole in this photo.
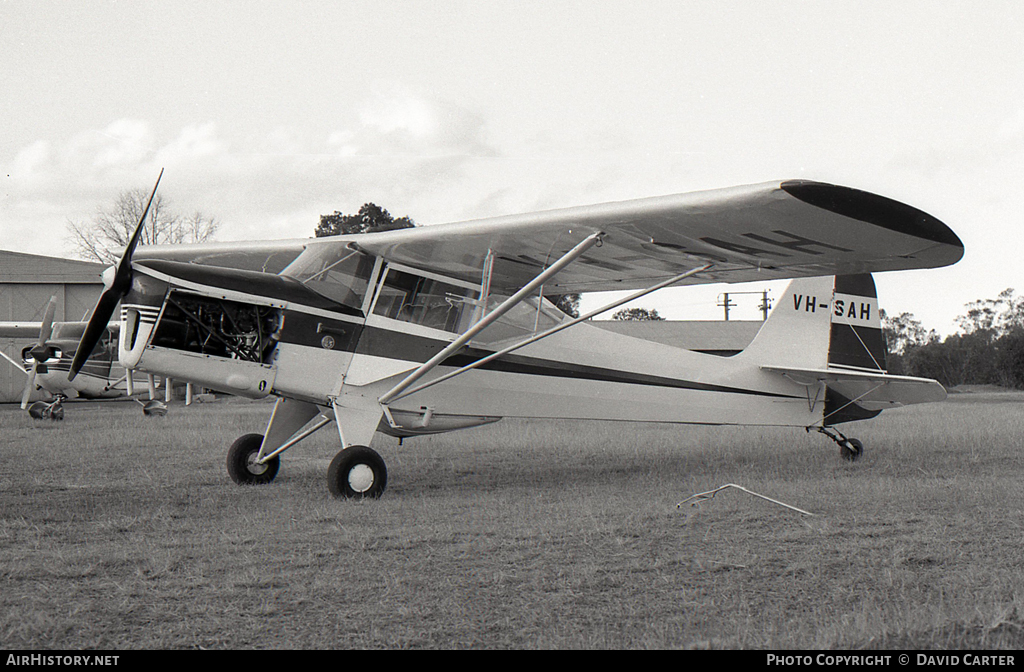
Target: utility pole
(765, 306)
(726, 303)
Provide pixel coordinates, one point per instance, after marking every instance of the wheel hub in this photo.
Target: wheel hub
(254, 467)
(360, 477)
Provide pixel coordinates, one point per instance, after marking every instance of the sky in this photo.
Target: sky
(266, 115)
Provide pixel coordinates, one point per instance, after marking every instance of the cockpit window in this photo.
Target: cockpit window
(338, 273)
(431, 303)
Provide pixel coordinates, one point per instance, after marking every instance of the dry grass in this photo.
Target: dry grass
(123, 532)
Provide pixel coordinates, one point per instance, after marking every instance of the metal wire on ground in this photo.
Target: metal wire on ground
(696, 499)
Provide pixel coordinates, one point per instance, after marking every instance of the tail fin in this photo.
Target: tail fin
(830, 321)
(856, 339)
(829, 331)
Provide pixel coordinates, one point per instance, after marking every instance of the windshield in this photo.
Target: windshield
(336, 272)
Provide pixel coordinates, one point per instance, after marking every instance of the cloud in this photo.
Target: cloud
(30, 164)
(125, 142)
(394, 148)
(396, 122)
(197, 142)
(428, 159)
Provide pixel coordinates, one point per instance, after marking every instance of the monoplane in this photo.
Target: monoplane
(438, 328)
(47, 361)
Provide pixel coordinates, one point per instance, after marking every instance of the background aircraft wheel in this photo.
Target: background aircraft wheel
(242, 466)
(851, 449)
(154, 407)
(357, 472)
(42, 410)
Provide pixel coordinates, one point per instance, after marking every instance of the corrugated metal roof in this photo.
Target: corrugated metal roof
(20, 267)
(713, 336)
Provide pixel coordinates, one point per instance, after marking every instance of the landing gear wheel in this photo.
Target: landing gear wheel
(851, 449)
(357, 472)
(42, 410)
(242, 465)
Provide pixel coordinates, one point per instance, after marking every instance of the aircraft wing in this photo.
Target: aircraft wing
(263, 256)
(20, 330)
(873, 391)
(759, 232)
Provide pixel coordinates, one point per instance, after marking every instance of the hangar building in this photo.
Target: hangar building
(714, 337)
(27, 281)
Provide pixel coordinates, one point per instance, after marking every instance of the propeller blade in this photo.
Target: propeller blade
(111, 296)
(30, 385)
(101, 315)
(40, 351)
(124, 267)
(46, 328)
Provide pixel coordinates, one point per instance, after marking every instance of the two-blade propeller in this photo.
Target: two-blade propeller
(40, 352)
(117, 286)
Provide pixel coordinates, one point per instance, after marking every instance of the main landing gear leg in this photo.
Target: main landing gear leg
(849, 449)
(357, 472)
(254, 459)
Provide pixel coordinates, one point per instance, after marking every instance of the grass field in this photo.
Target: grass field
(121, 532)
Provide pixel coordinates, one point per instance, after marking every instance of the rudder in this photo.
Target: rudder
(856, 340)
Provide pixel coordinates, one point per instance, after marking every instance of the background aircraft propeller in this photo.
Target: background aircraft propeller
(116, 287)
(40, 351)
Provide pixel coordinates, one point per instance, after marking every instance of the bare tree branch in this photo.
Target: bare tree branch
(104, 237)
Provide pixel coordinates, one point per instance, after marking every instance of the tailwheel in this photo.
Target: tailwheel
(357, 472)
(851, 449)
(242, 465)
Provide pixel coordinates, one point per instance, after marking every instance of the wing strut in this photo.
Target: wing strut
(551, 331)
(490, 317)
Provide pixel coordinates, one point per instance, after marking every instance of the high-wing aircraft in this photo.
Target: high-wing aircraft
(46, 364)
(438, 328)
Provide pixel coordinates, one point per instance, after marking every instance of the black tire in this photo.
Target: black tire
(357, 472)
(851, 450)
(242, 466)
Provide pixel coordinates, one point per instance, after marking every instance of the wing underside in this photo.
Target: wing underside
(760, 232)
(752, 233)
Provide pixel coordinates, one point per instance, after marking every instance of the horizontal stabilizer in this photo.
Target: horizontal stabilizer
(872, 391)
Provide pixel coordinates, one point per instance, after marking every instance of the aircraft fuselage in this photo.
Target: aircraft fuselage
(255, 335)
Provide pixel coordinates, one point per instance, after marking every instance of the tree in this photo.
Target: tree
(637, 315)
(567, 303)
(105, 236)
(1010, 359)
(904, 332)
(371, 217)
(987, 350)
